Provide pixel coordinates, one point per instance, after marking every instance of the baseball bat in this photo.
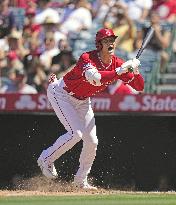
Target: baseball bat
(144, 43)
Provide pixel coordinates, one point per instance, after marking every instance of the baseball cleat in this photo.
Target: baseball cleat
(85, 186)
(88, 187)
(48, 169)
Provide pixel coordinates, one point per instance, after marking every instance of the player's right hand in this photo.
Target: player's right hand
(52, 78)
(130, 64)
(135, 66)
(124, 68)
(135, 63)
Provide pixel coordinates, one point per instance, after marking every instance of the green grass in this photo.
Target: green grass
(112, 199)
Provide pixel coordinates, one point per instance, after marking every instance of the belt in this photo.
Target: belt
(73, 94)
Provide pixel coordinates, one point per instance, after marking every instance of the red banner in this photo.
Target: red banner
(100, 103)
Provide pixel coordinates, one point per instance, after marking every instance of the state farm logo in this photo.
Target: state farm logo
(159, 103)
(129, 103)
(148, 103)
(101, 103)
(25, 102)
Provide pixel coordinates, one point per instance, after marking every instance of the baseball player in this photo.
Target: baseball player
(70, 99)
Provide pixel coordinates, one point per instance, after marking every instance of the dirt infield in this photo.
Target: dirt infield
(41, 186)
(8, 193)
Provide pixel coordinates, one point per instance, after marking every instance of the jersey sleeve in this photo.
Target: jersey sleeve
(84, 62)
(135, 81)
(107, 76)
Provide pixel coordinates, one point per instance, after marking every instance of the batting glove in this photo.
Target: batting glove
(135, 66)
(124, 67)
(135, 63)
(129, 65)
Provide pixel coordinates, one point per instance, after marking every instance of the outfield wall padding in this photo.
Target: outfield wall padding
(134, 152)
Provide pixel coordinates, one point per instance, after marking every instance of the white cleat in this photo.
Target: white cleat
(85, 186)
(88, 187)
(48, 169)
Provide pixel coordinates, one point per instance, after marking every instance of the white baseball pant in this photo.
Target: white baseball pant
(78, 119)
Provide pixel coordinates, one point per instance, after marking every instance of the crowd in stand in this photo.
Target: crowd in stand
(37, 36)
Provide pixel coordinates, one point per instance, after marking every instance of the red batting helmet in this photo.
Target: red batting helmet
(101, 34)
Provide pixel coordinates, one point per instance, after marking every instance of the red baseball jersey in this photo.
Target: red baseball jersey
(77, 84)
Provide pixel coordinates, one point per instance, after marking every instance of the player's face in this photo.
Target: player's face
(108, 45)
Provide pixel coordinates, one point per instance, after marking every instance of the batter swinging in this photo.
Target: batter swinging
(70, 99)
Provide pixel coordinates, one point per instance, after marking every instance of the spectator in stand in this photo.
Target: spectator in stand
(57, 65)
(80, 19)
(32, 58)
(3, 64)
(44, 11)
(110, 17)
(34, 51)
(138, 10)
(13, 61)
(7, 22)
(62, 63)
(123, 27)
(31, 29)
(4, 44)
(166, 9)
(64, 45)
(16, 43)
(51, 50)
(23, 3)
(100, 8)
(160, 40)
(36, 75)
(18, 85)
(51, 25)
(35, 71)
(19, 11)
(68, 7)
